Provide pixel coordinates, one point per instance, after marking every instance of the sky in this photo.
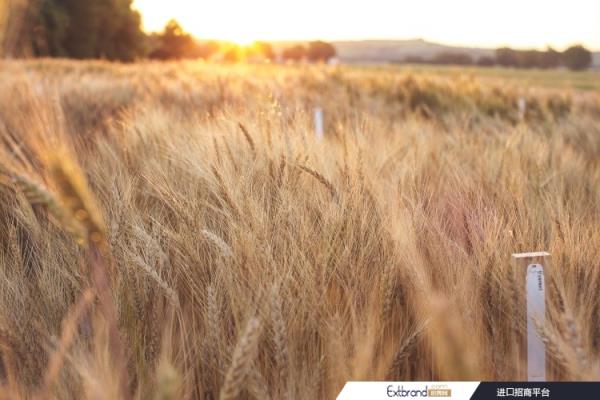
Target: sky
(477, 23)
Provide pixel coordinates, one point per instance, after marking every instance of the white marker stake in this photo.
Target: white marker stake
(319, 123)
(522, 105)
(536, 312)
(532, 272)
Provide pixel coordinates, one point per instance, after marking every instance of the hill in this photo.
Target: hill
(398, 50)
(378, 51)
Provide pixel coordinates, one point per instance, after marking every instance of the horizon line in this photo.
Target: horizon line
(411, 39)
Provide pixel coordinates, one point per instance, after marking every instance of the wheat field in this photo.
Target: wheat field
(176, 231)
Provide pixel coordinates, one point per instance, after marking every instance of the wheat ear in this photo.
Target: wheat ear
(171, 294)
(37, 194)
(388, 284)
(279, 337)
(77, 197)
(402, 352)
(217, 241)
(321, 179)
(225, 196)
(257, 385)
(248, 138)
(212, 317)
(80, 201)
(243, 358)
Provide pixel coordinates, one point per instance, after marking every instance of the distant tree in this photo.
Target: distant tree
(577, 58)
(174, 43)
(50, 30)
(550, 58)
(263, 49)
(83, 28)
(453, 58)
(86, 29)
(538, 59)
(414, 59)
(506, 57)
(528, 58)
(232, 53)
(320, 51)
(295, 53)
(486, 61)
(120, 36)
(206, 49)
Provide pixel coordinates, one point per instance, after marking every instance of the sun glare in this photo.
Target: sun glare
(242, 23)
(241, 39)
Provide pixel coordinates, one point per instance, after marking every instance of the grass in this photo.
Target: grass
(175, 231)
(562, 79)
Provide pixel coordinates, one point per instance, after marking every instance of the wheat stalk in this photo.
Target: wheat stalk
(37, 194)
(81, 203)
(321, 179)
(257, 385)
(217, 151)
(404, 349)
(573, 337)
(168, 382)
(212, 311)
(389, 284)
(248, 138)
(243, 358)
(231, 156)
(68, 331)
(7, 350)
(281, 174)
(551, 341)
(279, 338)
(77, 197)
(225, 196)
(152, 273)
(217, 241)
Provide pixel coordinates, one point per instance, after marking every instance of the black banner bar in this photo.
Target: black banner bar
(537, 390)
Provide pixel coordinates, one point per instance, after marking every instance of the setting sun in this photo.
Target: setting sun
(517, 23)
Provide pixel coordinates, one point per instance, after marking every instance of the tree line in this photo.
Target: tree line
(174, 43)
(111, 29)
(575, 57)
(108, 29)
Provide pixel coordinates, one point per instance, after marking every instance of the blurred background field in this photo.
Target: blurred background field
(552, 79)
